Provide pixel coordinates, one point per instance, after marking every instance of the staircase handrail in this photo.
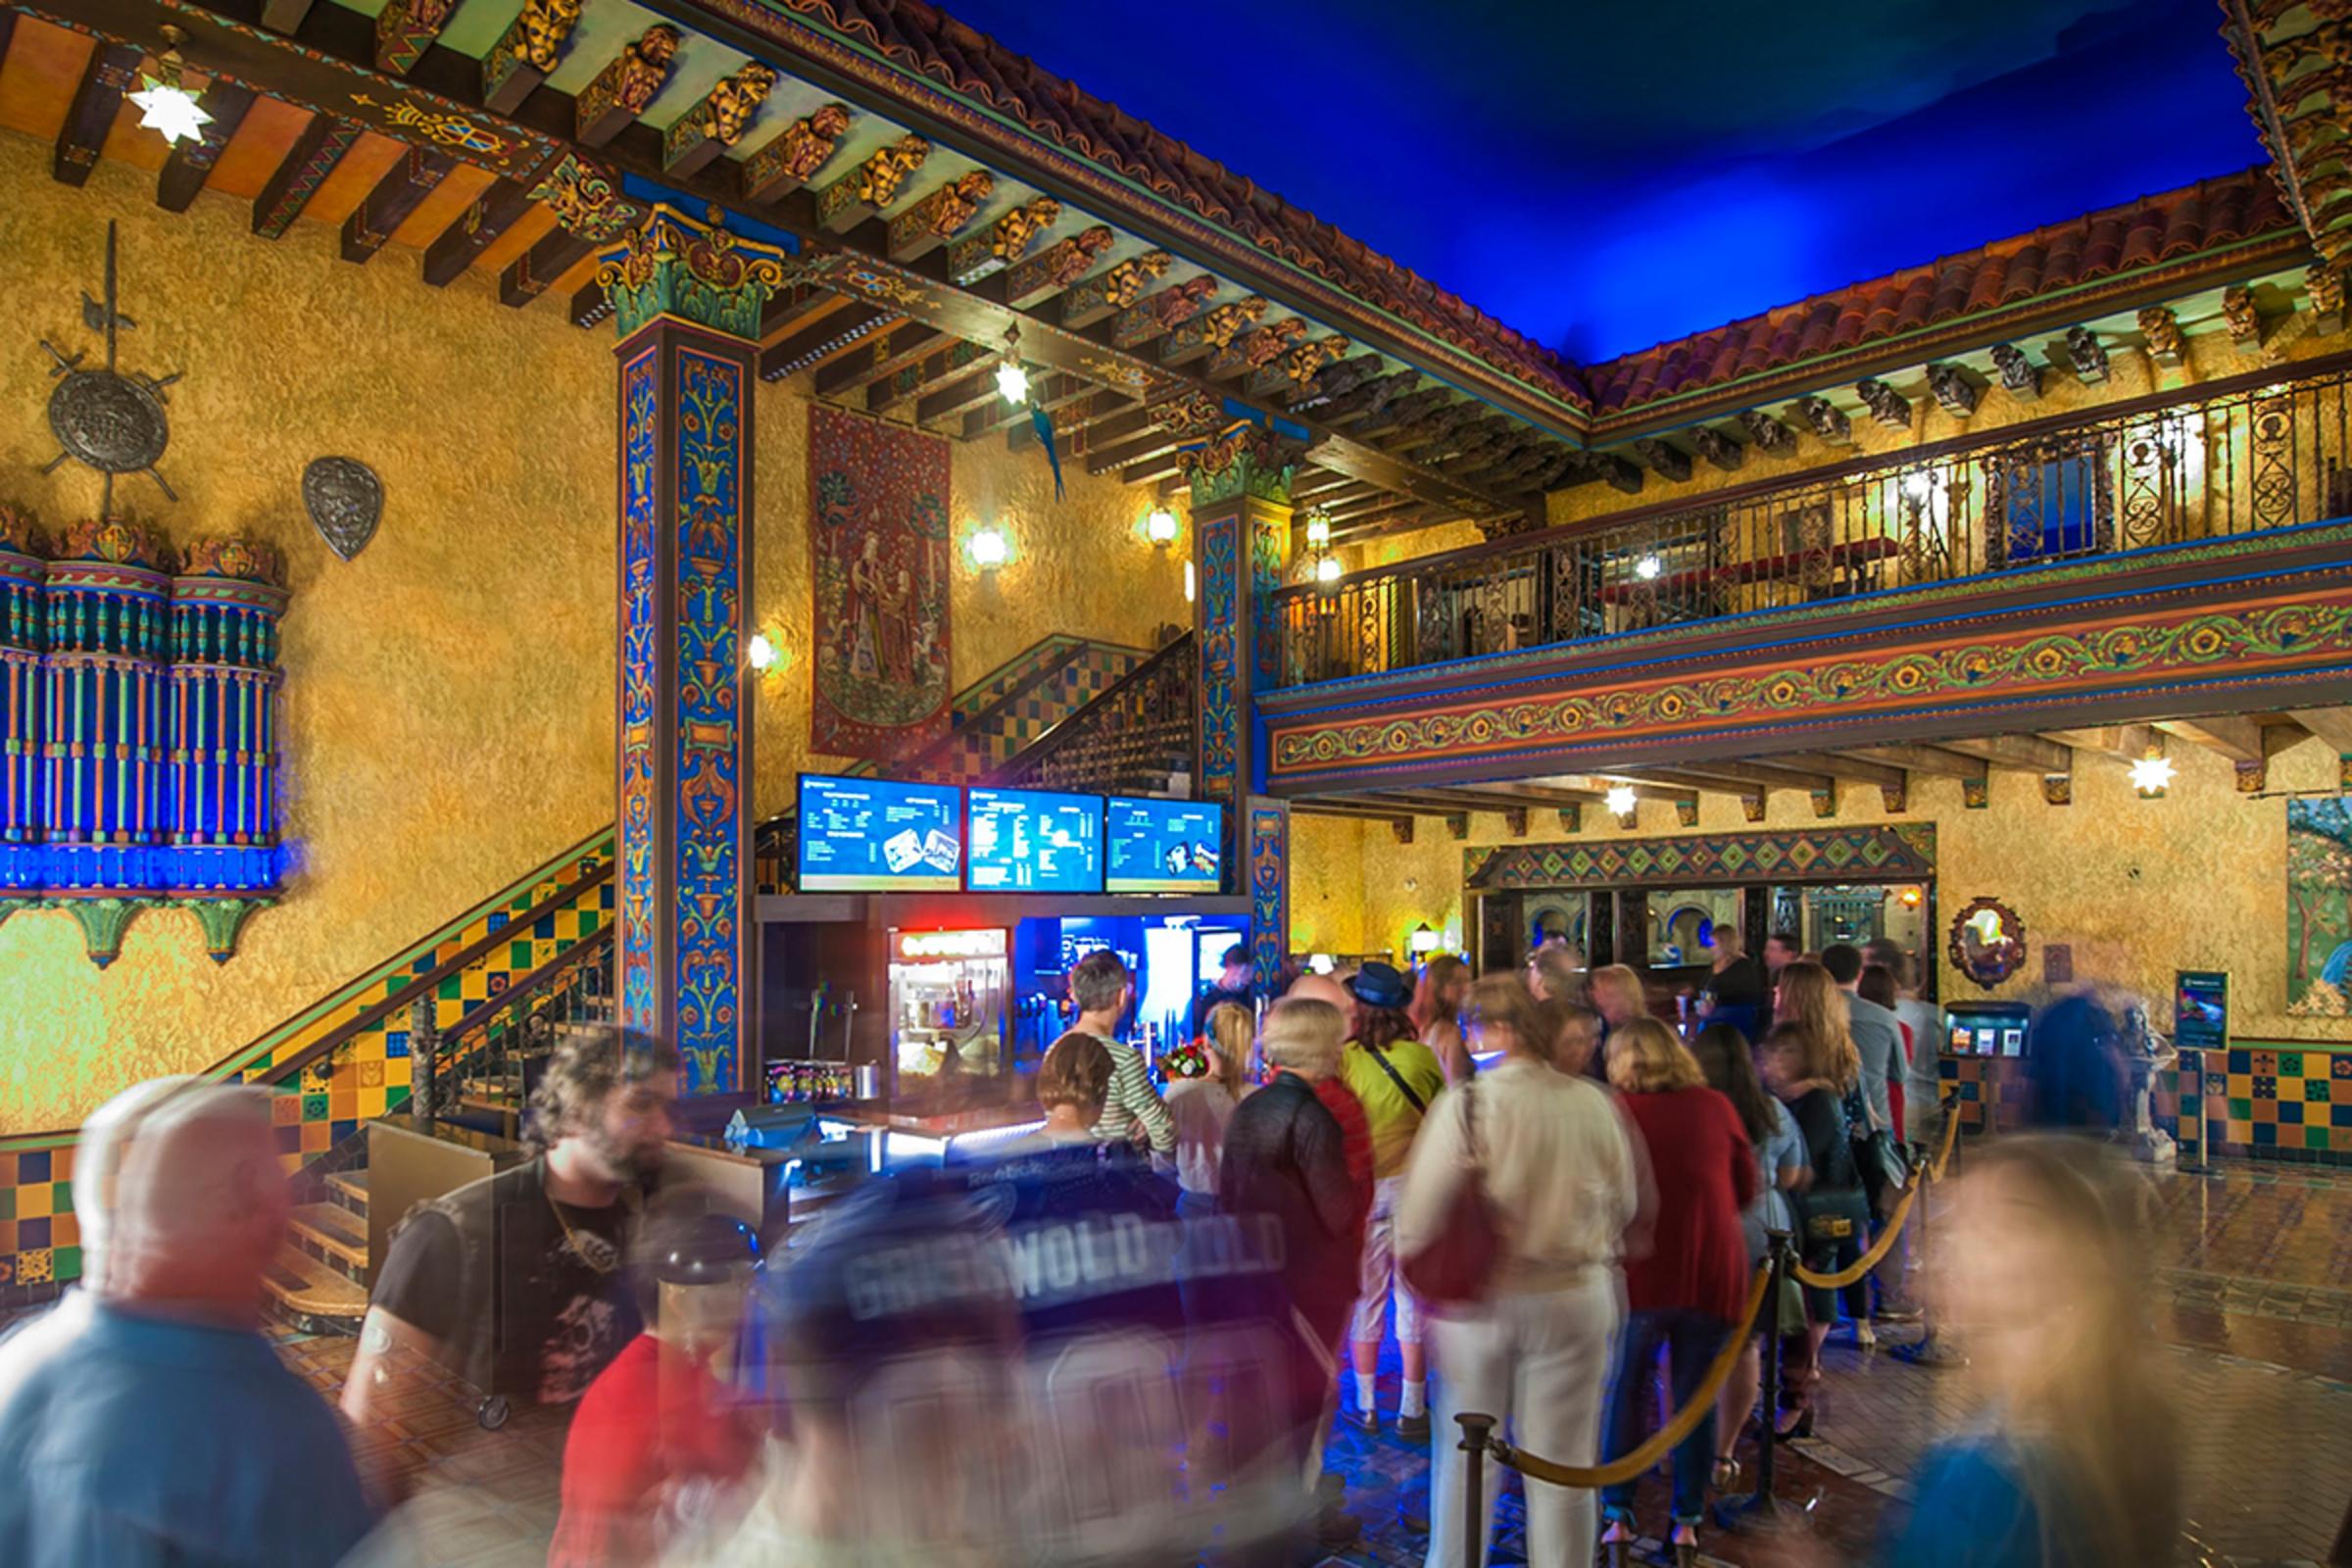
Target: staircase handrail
(1179, 652)
(327, 1044)
(466, 1038)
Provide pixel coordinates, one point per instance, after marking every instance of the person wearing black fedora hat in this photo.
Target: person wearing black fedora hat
(1397, 1077)
(660, 1441)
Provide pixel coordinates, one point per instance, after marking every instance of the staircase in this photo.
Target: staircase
(319, 1283)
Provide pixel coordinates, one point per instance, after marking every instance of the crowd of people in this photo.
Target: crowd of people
(1126, 1333)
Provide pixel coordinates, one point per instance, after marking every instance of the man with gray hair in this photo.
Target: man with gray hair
(172, 1432)
(97, 1159)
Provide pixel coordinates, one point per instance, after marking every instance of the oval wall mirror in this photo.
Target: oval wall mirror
(1988, 943)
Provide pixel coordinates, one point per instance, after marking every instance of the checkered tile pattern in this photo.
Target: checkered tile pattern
(1093, 671)
(367, 1077)
(1986, 1083)
(2279, 1100)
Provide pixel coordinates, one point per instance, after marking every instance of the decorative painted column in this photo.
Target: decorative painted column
(1241, 541)
(23, 624)
(221, 856)
(688, 300)
(105, 736)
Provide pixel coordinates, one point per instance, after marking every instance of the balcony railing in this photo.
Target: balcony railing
(2240, 456)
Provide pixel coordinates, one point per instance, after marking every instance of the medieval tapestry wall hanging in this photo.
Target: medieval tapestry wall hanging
(880, 566)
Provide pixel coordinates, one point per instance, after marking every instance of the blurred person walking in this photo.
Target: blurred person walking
(1396, 1077)
(1737, 991)
(1686, 1290)
(659, 1440)
(1729, 1065)
(98, 1153)
(514, 1281)
(1284, 1161)
(171, 1434)
(1555, 1162)
(2075, 1461)
(1436, 1011)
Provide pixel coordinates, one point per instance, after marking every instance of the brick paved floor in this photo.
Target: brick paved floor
(2251, 1317)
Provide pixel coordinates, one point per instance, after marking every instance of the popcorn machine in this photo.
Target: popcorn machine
(950, 996)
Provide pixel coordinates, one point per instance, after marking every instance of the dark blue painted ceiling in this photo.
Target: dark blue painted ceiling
(1604, 175)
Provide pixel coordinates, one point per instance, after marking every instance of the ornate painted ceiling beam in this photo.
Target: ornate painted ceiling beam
(941, 366)
(2245, 741)
(284, 16)
(1403, 515)
(1213, 331)
(190, 164)
(1354, 506)
(2023, 754)
(403, 188)
(111, 71)
(938, 217)
(405, 30)
(821, 340)
(537, 270)
(475, 231)
(876, 358)
(1915, 759)
(305, 168)
(956, 397)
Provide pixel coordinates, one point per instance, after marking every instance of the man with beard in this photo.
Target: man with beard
(543, 1240)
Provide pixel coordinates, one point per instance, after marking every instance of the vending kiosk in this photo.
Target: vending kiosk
(1985, 1049)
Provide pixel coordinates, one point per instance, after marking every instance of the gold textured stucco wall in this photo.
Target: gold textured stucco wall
(2137, 888)
(447, 710)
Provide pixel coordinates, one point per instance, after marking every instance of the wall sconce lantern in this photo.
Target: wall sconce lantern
(1318, 531)
(1327, 570)
(1161, 526)
(1423, 942)
(988, 549)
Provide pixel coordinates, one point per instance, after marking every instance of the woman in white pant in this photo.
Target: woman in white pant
(1552, 1155)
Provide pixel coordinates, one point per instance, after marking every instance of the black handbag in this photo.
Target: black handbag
(1880, 1159)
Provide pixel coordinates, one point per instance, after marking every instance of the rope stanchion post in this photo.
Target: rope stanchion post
(1762, 1503)
(1477, 1432)
(1932, 1349)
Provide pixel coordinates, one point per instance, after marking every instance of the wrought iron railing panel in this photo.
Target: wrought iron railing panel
(2236, 456)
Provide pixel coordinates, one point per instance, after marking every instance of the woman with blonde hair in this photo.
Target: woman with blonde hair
(1685, 1294)
(1437, 1009)
(2074, 1462)
(1205, 1084)
(1809, 1000)
(1555, 1162)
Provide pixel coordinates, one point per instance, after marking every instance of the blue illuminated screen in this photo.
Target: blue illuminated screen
(874, 835)
(1165, 846)
(1034, 841)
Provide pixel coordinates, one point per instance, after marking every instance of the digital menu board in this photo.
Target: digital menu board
(1163, 846)
(1034, 841)
(876, 835)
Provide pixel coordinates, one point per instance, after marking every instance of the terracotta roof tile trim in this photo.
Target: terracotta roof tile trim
(2148, 232)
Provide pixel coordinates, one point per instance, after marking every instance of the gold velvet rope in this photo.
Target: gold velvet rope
(1661, 1441)
(1887, 1232)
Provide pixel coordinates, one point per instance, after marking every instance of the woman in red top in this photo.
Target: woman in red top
(1687, 1293)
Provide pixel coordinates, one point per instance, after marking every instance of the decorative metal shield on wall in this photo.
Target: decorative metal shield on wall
(345, 500)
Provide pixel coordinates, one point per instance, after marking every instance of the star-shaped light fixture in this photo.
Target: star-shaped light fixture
(1622, 800)
(2152, 775)
(163, 104)
(1013, 382)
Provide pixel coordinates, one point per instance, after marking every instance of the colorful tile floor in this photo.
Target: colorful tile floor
(2252, 1323)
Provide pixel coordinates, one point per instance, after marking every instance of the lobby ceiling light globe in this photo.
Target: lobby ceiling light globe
(165, 106)
(1649, 568)
(1161, 526)
(1622, 800)
(2152, 775)
(1327, 570)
